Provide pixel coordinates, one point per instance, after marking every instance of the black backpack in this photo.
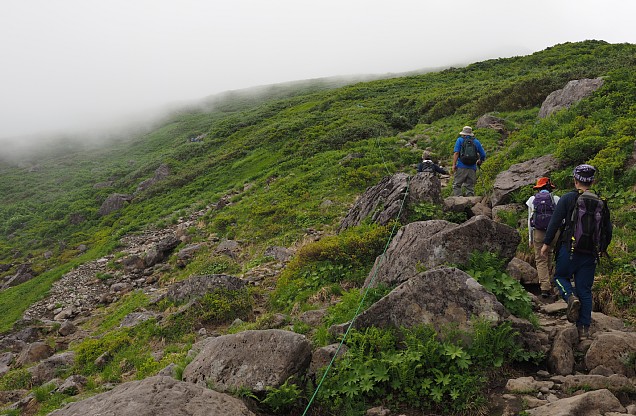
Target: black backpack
(543, 204)
(426, 166)
(587, 225)
(468, 151)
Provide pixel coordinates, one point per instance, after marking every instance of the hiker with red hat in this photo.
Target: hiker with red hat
(540, 208)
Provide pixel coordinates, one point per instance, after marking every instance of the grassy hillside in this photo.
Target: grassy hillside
(293, 160)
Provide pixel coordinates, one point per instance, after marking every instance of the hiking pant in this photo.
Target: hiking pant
(582, 268)
(464, 178)
(543, 263)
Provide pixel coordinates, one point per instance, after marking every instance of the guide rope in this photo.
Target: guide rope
(366, 292)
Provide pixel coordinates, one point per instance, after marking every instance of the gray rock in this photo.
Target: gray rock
(32, 353)
(609, 350)
(197, 286)
(424, 187)
(596, 402)
(519, 175)
(67, 328)
(135, 318)
(281, 254)
(614, 383)
(438, 297)
(522, 271)
(573, 92)
(24, 273)
(230, 248)
(185, 254)
(160, 251)
(48, 368)
(427, 244)
(114, 203)
(161, 173)
(380, 202)
(527, 385)
(157, 396)
(250, 359)
(6, 358)
(488, 121)
(561, 358)
(323, 356)
(73, 385)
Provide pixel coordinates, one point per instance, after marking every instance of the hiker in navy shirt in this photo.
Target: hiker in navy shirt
(571, 263)
(466, 174)
(427, 165)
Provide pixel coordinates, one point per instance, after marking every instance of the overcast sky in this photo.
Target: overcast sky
(69, 64)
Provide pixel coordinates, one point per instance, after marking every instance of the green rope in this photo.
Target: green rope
(344, 337)
(377, 141)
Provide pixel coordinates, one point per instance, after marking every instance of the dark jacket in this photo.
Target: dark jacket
(428, 165)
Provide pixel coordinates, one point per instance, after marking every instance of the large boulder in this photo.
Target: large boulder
(573, 92)
(251, 359)
(157, 396)
(424, 245)
(32, 353)
(438, 297)
(610, 349)
(488, 121)
(113, 203)
(520, 175)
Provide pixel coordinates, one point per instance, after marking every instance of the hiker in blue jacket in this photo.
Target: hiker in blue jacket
(571, 263)
(465, 170)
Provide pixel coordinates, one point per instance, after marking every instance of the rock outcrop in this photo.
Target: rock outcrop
(387, 201)
(573, 92)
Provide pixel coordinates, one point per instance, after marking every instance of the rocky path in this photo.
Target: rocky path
(582, 376)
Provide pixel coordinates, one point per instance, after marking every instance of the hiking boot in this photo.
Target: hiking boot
(545, 294)
(584, 332)
(574, 305)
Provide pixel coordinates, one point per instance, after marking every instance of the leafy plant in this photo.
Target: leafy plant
(418, 367)
(487, 269)
(282, 399)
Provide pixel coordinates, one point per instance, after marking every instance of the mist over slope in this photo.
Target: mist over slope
(101, 132)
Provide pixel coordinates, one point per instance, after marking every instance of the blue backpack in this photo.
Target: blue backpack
(543, 209)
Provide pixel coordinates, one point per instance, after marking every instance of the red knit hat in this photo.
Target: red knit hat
(542, 182)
